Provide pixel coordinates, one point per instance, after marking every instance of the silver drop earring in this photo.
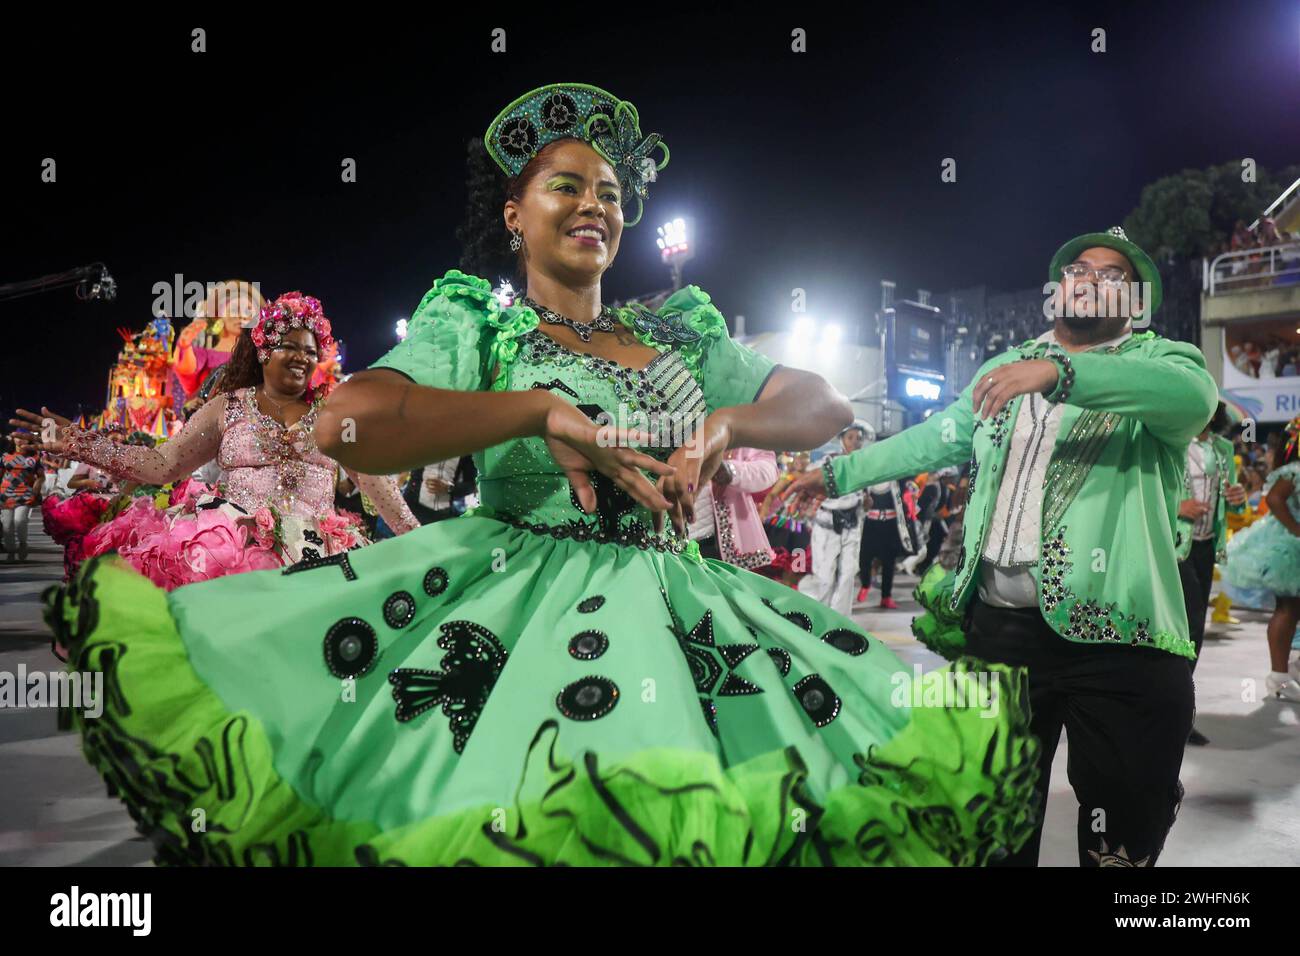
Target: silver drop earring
(516, 241)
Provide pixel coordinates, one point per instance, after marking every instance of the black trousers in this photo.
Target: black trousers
(426, 515)
(938, 534)
(709, 548)
(879, 540)
(1197, 574)
(1127, 710)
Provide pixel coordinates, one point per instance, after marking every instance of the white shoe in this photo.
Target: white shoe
(1294, 668)
(1288, 689)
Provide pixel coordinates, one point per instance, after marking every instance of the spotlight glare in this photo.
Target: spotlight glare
(672, 239)
(922, 388)
(805, 327)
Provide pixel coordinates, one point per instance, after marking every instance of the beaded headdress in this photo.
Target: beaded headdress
(578, 111)
(293, 310)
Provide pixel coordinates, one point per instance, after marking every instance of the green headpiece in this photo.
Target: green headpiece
(578, 111)
(1112, 238)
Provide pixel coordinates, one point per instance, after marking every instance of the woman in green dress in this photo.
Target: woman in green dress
(556, 677)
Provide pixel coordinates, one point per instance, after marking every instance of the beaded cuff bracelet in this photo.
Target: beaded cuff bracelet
(828, 475)
(1064, 377)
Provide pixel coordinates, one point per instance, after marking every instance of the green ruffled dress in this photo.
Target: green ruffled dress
(528, 684)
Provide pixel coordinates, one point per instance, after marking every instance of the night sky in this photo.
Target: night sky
(818, 170)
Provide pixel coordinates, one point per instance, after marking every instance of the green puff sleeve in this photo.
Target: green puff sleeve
(729, 373)
(458, 335)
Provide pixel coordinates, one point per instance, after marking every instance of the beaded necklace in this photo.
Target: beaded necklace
(279, 407)
(607, 321)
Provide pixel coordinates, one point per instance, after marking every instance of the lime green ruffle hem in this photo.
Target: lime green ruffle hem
(950, 788)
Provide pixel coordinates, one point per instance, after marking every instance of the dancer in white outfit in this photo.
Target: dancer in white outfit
(836, 534)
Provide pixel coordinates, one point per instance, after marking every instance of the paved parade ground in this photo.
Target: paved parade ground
(1243, 790)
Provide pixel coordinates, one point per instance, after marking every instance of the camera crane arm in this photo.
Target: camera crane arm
(91, 282)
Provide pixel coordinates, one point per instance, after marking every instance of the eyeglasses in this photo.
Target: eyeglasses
(309, 353)
(1106, 275)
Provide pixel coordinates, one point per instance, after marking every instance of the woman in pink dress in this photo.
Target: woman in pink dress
(274, 505)
(727, 523)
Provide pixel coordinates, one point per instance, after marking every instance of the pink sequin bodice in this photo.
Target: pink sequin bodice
(265, 464)
(268, 464)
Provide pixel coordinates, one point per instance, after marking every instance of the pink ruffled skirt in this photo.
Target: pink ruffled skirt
(206, 537)
(68, 520)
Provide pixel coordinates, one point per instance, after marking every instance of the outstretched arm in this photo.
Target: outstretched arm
(774, 497)
(796, 410)
(843, 502)
(945, 438)
(1168, 390)
(379, 422)
(387, 497)
(196, 444)
(1170, 393)
(82, 479)
(942, 439)
(755, 474)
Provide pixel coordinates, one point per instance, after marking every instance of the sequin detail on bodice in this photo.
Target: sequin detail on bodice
(520, 481)
(266, 463)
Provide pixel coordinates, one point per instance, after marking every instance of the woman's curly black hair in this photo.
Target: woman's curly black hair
(242, 369)
(485, 243)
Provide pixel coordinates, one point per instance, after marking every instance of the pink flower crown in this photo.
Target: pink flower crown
(293, 310)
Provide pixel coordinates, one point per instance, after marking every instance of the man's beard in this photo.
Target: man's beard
(1094, 328)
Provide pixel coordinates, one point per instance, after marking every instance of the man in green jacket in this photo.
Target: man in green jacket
(1077, 443)
(1210, 492)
